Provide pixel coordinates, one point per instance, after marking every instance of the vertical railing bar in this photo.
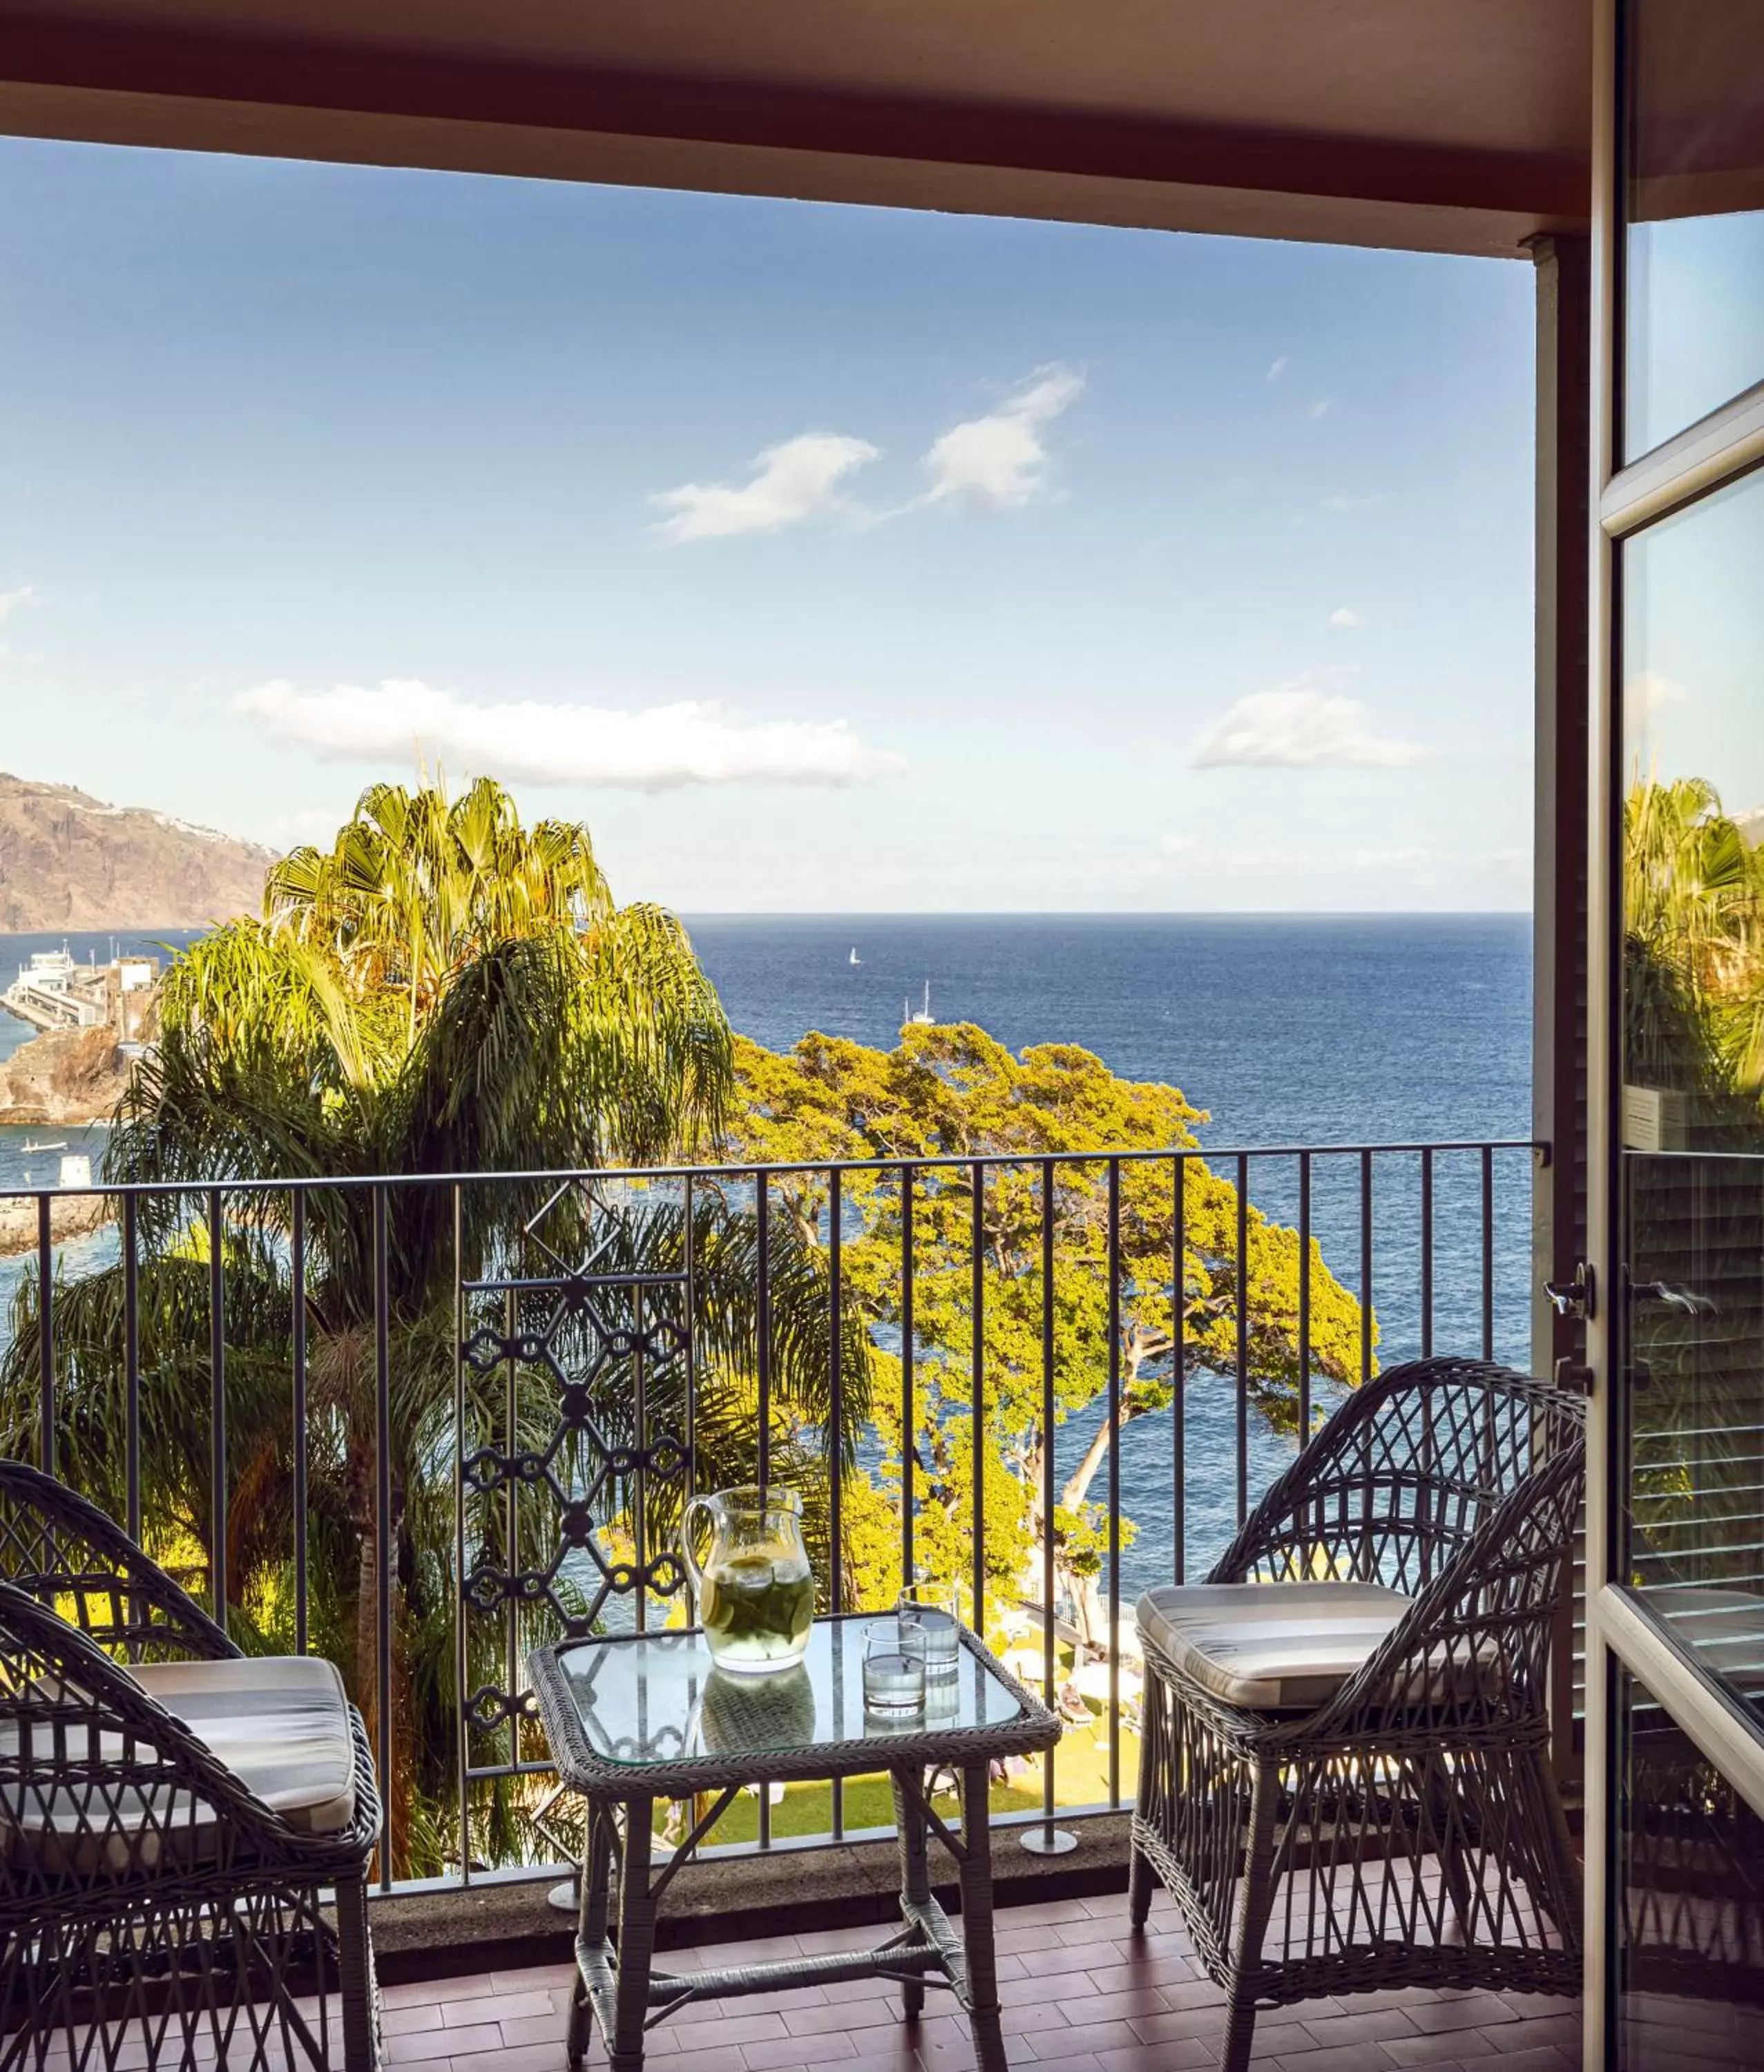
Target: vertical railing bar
(1427, 1254)
(835, 1382)
(511, 1519)
(836, 1423)
(462, 1739)
(640, 1412)
(131, 1362)
(1304, 1296)
(908, 1406)
(1178, 1268)
(217, 1412)
(46, 1335)
(1488, 1252)
(691, 1269)
(1243, 1337)
(296, 1281)
(382, 1361)
(1114, 1481)
(1365, 1266)
(1049, 1486)
(762, 1212)
(977, 1389)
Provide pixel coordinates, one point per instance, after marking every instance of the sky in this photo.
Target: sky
(820, 558)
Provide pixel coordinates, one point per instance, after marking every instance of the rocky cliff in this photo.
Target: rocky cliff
(69, 861)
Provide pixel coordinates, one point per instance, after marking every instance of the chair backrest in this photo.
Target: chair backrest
(1474, 1647)
(1405, 1476)
(64, 1552)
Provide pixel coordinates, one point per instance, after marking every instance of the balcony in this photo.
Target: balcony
(427, 1501)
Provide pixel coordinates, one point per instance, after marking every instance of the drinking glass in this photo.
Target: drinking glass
(931, 1609)
(893, 1668)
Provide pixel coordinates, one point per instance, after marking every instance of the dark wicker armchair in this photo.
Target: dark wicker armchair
(1344, 1779)
(170, 1810)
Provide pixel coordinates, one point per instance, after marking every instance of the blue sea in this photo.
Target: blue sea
(1287, 1031)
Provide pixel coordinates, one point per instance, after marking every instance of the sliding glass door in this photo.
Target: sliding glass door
(1676, 1627)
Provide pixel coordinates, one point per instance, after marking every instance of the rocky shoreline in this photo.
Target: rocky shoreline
(70, 1215)
(65, 1078)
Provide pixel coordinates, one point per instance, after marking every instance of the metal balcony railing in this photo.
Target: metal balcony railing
(423, 1423)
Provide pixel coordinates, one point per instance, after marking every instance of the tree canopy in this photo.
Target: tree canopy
(956, 1093)
(441, 991)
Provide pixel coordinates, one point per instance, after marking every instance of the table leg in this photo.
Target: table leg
(915, 1875)
(636, 1940)
(590, 1926)
(975, 1870)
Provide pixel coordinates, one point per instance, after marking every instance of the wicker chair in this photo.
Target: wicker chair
(1344, 1779)
(170, 1810)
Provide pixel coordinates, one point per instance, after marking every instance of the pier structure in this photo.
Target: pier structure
(54, 991)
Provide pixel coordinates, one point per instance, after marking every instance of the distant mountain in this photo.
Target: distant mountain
(68, 861)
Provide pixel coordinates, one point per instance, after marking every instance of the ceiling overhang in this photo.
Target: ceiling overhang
(1209, 160)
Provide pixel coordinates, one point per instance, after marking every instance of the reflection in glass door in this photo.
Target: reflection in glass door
(1692, 1111)
(1677, 1623)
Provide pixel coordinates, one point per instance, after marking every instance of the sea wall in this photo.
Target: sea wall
(64, 1076)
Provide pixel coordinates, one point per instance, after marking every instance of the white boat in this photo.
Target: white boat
(924, 1018)
(29, 1146)
(854, 959)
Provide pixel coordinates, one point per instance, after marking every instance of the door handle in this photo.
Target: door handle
(1573, 1298)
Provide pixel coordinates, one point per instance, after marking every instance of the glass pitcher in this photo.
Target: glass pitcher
(756, 1593)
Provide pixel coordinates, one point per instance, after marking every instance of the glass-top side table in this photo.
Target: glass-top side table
(641, 1717)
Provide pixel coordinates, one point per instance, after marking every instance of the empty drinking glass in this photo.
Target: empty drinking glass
(931, 1609)
(893, 1668)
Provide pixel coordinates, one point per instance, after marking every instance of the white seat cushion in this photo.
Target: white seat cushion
(1269, 1647)
(280, 1723)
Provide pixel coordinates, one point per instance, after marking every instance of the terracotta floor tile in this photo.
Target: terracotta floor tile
(1443, 2048)
(430, 2044)
(1180, 2054)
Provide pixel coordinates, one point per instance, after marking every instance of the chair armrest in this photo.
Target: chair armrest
(1475, 1643)
(66, 1552)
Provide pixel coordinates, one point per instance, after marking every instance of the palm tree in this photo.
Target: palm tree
(442, 992)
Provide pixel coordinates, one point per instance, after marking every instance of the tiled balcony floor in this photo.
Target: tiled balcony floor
(1081, 1994)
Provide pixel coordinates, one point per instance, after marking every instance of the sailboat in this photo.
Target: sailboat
(854, 959)
(923, 1018)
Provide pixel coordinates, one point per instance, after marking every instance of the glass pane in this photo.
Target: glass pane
(1693, 250)
(1691, 1898)
(1693, 1115)
(661, 1699)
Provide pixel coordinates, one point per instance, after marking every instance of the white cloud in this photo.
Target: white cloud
(1345, 615)
(796, 480)
(1345, 503)
(1179, 845)
(1321, 408)
(1299, 726)
(657, 750)
(11, 599)
(999, 461)
(1280, 367)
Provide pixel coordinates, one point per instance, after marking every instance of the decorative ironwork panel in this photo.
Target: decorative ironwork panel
(575, 1446)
